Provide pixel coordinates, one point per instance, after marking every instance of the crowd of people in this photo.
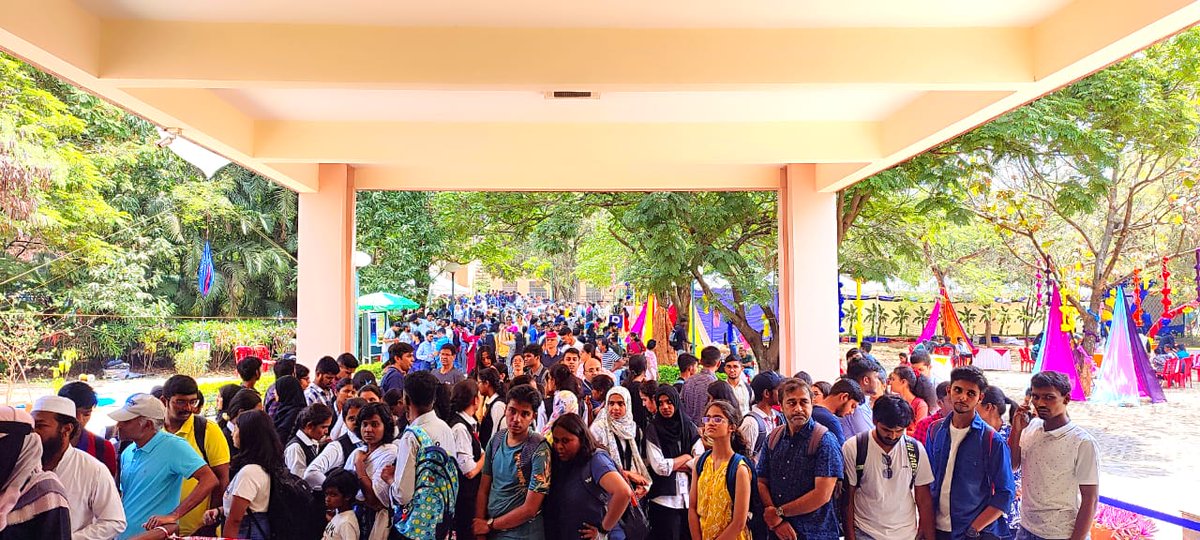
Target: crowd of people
(563, 435)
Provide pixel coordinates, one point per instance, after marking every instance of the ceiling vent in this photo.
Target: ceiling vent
(572, 94)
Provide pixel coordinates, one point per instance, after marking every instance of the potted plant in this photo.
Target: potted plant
(1117, 524)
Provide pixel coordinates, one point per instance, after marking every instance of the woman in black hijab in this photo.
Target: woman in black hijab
(671, 439)
(291, 402)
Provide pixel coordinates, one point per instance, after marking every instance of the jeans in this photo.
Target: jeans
(943, 535)
(858, 533)
(1023, 534)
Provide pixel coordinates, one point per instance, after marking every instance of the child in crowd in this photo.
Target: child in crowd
(341, 489)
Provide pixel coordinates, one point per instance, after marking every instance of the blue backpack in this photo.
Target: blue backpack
(436, 490)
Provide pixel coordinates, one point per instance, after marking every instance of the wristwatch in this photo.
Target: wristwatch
(778, 512)
(489, 524)
(972, 532)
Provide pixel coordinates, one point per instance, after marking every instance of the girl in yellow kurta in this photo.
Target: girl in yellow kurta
(713, 514)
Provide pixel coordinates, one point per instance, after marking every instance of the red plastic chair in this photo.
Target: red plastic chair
(1189, 365)
(242, 351)
(1026, 360)
(1170, 374)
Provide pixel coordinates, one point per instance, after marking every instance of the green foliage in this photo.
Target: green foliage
(401, 233)
(668, 374)
(192, 362)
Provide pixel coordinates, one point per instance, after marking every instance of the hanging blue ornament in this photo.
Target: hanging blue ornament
(205, 274)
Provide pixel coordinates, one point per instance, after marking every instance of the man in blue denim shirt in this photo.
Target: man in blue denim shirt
(973, 479)
(796, 480)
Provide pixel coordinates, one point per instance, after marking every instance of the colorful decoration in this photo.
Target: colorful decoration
(205, 274)
(1126, 374)
(842, 301)
(858, 305)
(943, 315)
(1056, 353)
(697, 334)
(1137, 295)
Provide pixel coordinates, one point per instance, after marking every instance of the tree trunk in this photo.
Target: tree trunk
(987, 331)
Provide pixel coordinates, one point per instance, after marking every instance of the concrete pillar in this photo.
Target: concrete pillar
(808, 263)
(325, 307)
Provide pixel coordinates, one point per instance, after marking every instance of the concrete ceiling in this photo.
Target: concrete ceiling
(690, 94)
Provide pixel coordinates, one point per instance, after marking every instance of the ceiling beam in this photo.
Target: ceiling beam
(533, 176)
(63, 39)
(416, 143)
(238, 55)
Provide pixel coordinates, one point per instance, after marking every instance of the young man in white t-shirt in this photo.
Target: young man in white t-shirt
(1059, 461)
(886, 494)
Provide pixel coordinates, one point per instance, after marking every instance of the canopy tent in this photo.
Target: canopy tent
(382, 301)
(720, 328)
(1126, 374)
(1056, 353)
(943, 316)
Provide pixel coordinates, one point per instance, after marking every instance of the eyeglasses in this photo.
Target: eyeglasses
(713, 420)
(887, 464)
(185, 403)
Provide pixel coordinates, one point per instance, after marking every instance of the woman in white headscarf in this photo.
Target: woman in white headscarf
(565, 402)
(33, 504)
(618, 434)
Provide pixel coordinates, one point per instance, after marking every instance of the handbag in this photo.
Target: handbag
(633, 522)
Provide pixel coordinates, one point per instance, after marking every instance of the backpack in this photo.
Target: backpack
(633, 522)
(524, 457)
(293, 512)
(756, 507)
(860, 457)
(199, 428)
(435, 492)
(814, 444)
(761, 441)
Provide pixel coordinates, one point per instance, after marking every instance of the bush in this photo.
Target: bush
(192, 362)
(668, 374)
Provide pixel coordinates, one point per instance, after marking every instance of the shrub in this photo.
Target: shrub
(192, 362)
(668, 374)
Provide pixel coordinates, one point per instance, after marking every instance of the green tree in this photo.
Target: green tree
(900, 317)
(400, 231)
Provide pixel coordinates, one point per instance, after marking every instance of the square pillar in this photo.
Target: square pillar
(808, 272)
(325, 304)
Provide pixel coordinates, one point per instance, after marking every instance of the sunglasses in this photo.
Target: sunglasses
(887, 464)
(714, 420)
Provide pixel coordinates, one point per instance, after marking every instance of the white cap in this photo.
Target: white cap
(140, 405)
(55, 404)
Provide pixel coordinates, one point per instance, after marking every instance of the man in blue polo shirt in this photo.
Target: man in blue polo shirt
(154, 467)
(972, 475)
(798, 470)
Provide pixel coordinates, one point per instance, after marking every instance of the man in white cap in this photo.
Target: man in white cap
(96, 512)
(154, 466)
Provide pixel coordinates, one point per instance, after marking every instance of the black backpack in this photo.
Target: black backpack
(293, 512)
(860, 457)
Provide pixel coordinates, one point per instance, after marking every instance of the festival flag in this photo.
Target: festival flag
(205, 274)
(697, 334)
(648, 328)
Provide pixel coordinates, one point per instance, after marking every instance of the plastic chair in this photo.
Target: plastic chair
(240, 352)
(1026, 360)
(1171, 375)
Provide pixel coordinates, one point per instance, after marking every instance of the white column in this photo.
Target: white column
(808, 275)
(325, 300)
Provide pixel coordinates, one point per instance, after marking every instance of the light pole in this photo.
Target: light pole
(452, 267)
(359, 259)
